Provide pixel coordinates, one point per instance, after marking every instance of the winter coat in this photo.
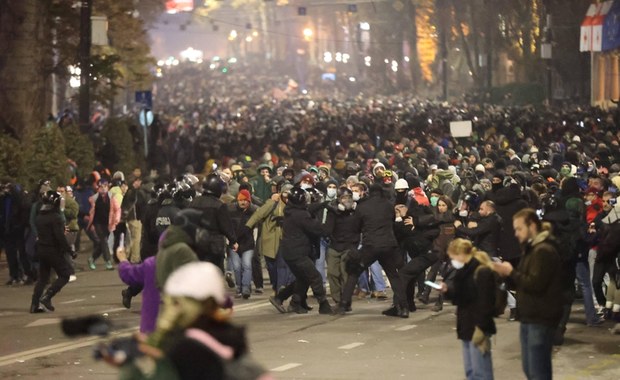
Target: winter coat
(269, 216)
(71, 214)
(609, 245)
(215, 217)
(51, 239)
(299, 231)
(174, 251)
(508, 202)
(376, 216)
(150, 234)
(343, 229)
(239, 217)
(538, 282)
(262, 188)
(486, 235)
(143, 274)
(472, 290)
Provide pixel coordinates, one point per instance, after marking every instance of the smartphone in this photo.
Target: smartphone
(432, 285)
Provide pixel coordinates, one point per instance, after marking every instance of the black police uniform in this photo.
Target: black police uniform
(51, 248)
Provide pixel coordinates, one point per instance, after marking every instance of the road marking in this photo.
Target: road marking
(285, 367)
(252, 306)
(22, 356)
(111, 310)
(405, 328)
(43, 322)
(350, 346)
(73, 301)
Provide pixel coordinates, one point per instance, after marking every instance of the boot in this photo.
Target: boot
(304, 304)
(275, 301)
(295, 307)
(126, 298)
(46, 300)
(391, 312)
(403, 312)
(425, 295)
(325, 308)
(35, 307)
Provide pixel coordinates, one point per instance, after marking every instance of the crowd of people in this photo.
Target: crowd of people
(329, 194)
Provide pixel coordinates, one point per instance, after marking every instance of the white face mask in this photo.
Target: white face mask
(305, 186)
(457, 264)
(463, 213)
(398, 219)
(356, 196)
(331, 193)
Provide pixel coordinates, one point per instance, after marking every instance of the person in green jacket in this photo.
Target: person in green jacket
(261, 183)
(269, 218)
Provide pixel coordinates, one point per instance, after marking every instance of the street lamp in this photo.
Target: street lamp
(308, 33)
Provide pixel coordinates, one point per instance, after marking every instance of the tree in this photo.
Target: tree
(45, 157)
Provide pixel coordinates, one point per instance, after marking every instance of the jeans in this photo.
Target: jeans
(477, 365)
(320, 262)
(241, 265)
(376, 276)
(583, 276)
(536, 349)
(272, 271)
(284, 274)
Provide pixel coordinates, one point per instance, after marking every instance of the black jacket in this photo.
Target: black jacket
(299, 230)
(344, 229)
(165, 215)
(485, 236)
(215, 217)
(51, 233)
(239, 217)
(473, 292)
(150, 233)
(376, 215)
(508, 202)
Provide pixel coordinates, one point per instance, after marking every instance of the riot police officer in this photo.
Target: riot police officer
(51, 247)
(216, 221)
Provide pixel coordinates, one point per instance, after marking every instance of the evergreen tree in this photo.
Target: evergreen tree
(116, 132)
(79, 148)
(45, 157)
(10, 157)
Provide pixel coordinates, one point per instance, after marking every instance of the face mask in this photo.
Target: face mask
(588, 203)
(401, 197)
(305, 186)
(346, 204)
(457, 264)
(398, 219)
(331, 193)
(356, 196)
(434, 201)
(463, 213)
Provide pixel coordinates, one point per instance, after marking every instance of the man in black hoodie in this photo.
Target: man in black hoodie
(376, 217)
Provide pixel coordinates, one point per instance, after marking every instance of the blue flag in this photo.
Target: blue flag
(611, 28)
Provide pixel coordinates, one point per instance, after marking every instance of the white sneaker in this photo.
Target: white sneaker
(72, 278)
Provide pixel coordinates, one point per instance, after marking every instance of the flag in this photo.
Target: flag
(611, 28)
(586, 28)
(597, 25)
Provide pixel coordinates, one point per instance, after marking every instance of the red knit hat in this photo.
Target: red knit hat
(244, 195)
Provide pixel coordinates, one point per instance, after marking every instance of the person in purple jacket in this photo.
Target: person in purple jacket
(142, 274)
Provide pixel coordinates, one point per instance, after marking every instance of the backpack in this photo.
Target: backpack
(501, 294)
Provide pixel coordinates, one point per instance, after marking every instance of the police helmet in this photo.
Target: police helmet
(213, 185)
(298, 196)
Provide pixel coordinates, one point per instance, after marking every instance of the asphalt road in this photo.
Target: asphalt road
(362, 345)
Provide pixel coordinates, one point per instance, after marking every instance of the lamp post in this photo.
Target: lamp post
(85, 43)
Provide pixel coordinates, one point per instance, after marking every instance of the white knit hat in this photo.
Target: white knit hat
(197, 280)
(401, 184)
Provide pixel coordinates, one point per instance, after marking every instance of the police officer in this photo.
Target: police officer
(216, 220)
(300, 229)
(51, 247)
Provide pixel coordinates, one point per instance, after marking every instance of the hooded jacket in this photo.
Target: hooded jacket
(508, 202)
(174, 251)
(299, 230)
(269, 217)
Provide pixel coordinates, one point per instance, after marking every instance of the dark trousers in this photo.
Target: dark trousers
(257, 269)
(306, 275)
(15, 249)
(213, 251)
(101, 247)
(59, 264)
(410, 273)
(598, 273)
(390, 260)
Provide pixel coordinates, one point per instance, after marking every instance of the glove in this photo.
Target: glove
(481, 341)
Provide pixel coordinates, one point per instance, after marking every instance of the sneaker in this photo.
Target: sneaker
(382, 295)
(91, 263)
(362, 295)
(513, 314)
(437, 308)
(230, 279)
(108, 265)
(597, 322)
(245, 296)
(277, 304)
(11, 282)
(259, 291)
(72, 278)
(238, 295)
